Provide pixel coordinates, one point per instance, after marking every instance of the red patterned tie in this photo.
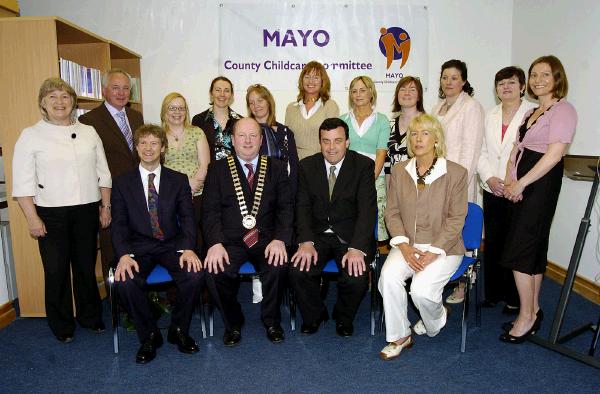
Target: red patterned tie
(250, 176)
(251, 237)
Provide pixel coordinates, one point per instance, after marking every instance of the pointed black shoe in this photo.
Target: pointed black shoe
(184, 342)
(539, 316)
(65, 338)
(147, 351)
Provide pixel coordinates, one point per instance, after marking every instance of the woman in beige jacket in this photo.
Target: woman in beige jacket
(425, 214)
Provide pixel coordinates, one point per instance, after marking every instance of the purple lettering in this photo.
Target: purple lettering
(289, 39)
(270, 37)
(324, 41)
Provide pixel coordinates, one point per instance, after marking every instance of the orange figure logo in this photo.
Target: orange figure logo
(394, 44)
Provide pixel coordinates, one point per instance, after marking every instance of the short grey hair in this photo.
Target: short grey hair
(112, 71)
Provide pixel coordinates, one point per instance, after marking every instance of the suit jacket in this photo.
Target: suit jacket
(446, 203)
(352, 211)
(495, 151)
(221, 217)
(131, 228)
(120, 159)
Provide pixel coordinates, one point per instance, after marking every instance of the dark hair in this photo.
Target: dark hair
(403, 82)
(509, 72)
(334, 123)
(561, 84)
(212, 85)
(462, 67)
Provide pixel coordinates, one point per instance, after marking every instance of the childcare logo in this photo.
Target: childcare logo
(394, 44)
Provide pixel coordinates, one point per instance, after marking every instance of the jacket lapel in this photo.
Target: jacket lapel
(497, 127)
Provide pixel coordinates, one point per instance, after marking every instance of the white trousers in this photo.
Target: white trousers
(426, 292)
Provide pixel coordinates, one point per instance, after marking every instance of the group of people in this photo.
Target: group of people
(203, 197)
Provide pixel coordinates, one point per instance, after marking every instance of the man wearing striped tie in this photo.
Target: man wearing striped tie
(115, 123)
(335, 217)
(153, 223)
(247, 215)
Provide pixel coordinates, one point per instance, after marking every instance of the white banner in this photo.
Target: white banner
(270, 43)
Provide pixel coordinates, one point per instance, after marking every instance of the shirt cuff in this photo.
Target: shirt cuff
(364, 254)
(397, 240)
(435, 250)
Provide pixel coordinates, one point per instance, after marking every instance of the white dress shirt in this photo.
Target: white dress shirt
(59, 165)
(254, 163)
(308, 114)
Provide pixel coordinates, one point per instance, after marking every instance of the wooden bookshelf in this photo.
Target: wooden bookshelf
(30, 49)
(9, 8)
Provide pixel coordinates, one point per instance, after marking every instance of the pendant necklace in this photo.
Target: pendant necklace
(421, 178)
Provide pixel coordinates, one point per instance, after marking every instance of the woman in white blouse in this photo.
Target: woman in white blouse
(59, 176)
(501, 125)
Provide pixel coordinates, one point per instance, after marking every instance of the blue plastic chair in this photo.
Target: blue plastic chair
(470, 267)
(158, 277)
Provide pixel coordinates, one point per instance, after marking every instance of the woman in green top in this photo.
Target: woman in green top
(369, 135)
(188, 150)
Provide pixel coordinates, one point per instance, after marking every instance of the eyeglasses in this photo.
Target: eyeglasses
(173, 108)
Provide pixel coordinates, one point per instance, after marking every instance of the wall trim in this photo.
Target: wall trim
(7, 314)
(582, 286)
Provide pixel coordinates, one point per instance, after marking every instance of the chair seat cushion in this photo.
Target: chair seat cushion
(247, 269)
(158, 275)
(331, 267)
(462, 268)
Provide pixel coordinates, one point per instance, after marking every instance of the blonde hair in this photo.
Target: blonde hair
(165, 107)
(368, 83)
(50, 85)
(431, 124)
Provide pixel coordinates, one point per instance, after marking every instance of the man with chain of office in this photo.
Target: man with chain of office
(247, 215)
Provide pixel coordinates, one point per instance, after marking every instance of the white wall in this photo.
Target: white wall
(569, 30)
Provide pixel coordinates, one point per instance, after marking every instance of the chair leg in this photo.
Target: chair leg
(465, 315)
(211, 319)
(292, 304)
(478, 284)
(114, 309)
(200, 310)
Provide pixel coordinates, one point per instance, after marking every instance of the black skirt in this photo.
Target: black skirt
(526, 247)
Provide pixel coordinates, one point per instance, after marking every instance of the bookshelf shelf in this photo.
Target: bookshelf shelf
(31, 48)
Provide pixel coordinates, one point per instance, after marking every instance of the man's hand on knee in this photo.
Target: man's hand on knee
(126, 266)
(305, 256)
(215, 258)
(355, 260)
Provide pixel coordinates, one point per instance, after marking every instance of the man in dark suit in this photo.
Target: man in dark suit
(153, 223)
(115, 123)
(336, 209)
(247, 214)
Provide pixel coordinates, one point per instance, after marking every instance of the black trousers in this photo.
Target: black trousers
(225, 285)
(70, 246)
(132, 292)
(498, 280)
(351, 289)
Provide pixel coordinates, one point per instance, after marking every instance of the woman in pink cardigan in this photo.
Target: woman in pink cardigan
(463, 120)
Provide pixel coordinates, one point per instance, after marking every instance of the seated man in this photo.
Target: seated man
(247, 215)
(152, 228)
(335, 216)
